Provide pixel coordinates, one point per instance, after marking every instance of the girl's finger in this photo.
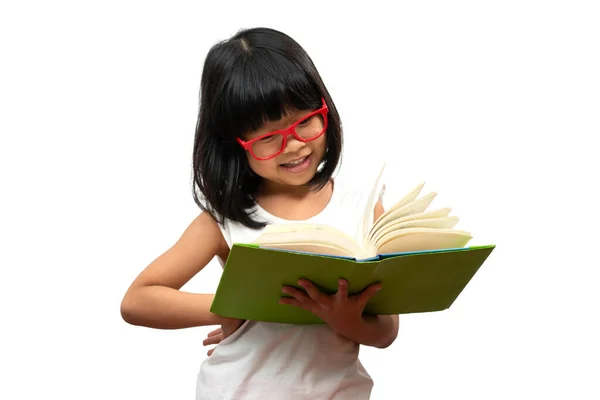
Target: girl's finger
(367, 294)
(342, 292)
(290, 301)
(212, 340)
(312, 291)
(209, 353)
(217, 331)
(296, 293)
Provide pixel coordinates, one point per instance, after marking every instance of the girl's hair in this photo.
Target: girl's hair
(256, 76)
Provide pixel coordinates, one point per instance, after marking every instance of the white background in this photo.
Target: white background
(495, 105)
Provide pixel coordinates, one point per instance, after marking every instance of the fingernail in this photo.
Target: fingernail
(342, 282)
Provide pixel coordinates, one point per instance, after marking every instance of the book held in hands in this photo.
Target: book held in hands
(422, 261)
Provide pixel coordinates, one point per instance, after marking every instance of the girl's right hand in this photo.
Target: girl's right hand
(228, 327)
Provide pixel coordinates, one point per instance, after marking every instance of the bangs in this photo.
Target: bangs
(264, 87)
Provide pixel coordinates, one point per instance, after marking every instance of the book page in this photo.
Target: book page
(408, 198)
(414, 207)
(329, 249)
(392, 223)
(418, 239)
(369, 212)
(291, 236)
(431, 223)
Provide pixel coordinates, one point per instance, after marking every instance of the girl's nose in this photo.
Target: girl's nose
(293, 145)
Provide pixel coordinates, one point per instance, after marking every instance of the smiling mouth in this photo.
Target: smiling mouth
(295, 162)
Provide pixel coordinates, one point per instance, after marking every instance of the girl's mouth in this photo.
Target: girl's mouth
(297, 166)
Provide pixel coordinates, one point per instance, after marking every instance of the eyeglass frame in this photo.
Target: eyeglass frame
(290, 130)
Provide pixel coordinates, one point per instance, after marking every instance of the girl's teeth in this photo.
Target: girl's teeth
(293, 164)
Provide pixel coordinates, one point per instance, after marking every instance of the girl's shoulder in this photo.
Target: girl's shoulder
(236, 232)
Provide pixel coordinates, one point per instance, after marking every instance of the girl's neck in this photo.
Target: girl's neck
(293, 202)
(270, 189)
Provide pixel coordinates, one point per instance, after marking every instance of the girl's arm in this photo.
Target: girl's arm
(378, 331)
(154, 299)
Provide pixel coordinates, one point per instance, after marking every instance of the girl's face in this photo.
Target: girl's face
(298, 162)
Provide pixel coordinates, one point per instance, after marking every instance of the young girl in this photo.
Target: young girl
(267, 142)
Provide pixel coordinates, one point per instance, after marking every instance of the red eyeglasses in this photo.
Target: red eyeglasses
(306, 129)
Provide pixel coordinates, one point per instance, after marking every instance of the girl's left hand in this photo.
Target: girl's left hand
(341, 311)
(228, 327)
(213, 337)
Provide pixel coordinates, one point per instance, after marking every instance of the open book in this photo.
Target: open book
(406, 226)
(416, 254)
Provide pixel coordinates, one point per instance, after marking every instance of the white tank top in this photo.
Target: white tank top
(264, 360)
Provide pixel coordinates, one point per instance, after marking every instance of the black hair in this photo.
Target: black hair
(258, 75)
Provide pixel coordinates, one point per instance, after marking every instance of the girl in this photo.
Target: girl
(267, 142)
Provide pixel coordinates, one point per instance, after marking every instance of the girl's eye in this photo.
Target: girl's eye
(305, 122)
(266, 139)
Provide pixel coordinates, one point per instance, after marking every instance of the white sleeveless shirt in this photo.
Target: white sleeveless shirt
(264, 360)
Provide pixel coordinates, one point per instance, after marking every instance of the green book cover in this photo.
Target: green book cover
(250, 287)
